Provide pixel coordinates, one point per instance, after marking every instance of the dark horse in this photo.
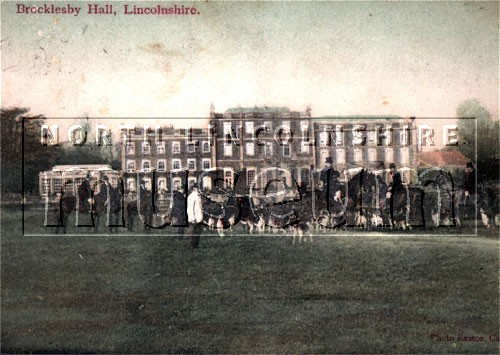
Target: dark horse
(81, 203)
(141, 206)
(90, 207)
(366, 199)
(108, 202)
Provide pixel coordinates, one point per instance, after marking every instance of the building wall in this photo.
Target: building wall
(175, 157)
(251, 141)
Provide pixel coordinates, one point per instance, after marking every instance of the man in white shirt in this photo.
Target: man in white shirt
(195, 216)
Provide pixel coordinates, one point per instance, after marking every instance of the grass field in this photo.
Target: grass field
(358, 292)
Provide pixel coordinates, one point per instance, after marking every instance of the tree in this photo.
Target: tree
(89, 153)
(471, 114)
(21, 148)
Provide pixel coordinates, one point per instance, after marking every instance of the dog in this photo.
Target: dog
(485, 218)
(360, 220)
(376, 220)
(299, 231)
(435, 217)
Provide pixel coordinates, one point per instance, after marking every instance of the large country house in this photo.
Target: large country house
(249, 147)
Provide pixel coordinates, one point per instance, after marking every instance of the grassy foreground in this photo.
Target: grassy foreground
(259, 294)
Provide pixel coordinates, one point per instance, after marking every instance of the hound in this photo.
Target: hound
(376, 219)
(485, 218)
(435, 217)
(211, 223)
(220, 228)
(261, 224)
(299, 230)
(360, 220)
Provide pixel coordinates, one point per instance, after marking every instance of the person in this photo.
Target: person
(469, 183)
(338, 209)
(143, 191)
(145, 205)
(195, 216)
(329, 177)
(397, 181)
(85, 194)
(179, 219)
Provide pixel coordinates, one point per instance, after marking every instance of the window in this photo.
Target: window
(304, 147)
(249, 127)
(268, 149)
(286, 150)
(130, 148)
(389, 154)
(304, 126)
(162, 183)
(339, 135)
(146, 148)
(250, 149)
(340, 155)
(304, 176)
(228, 178)
(206, 147)
(191, 148)
(191, 183)
(146, 165)
(404, 155)
(131, 184)
(130, 166)
(324, 138)
(191, 164)
(206, 164)
(45, 186)
(147, 183)
(160, 148)
(176, 147)
(372, 154)
(269, 126)
(228, 150)
(231, 134)
(57, 185)
(161, 165)
(358, 154)
(176, 184)
(176, 164)
(250, 176)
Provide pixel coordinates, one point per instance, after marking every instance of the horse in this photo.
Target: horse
(108, 202)
(81, 203)
(140, 206)
(365, 197)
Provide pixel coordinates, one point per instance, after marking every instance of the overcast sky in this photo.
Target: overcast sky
(342, 58)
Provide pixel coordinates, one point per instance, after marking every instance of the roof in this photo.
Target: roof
(89, 167)
(443, 158)
(356, 118)
(257, 109)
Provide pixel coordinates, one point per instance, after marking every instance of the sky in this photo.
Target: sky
(342, 58)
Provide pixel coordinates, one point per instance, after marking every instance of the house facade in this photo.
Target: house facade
(250, 147)
(166, 158)
(262, 144)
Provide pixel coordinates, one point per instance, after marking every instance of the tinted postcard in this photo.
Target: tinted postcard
(249, 177)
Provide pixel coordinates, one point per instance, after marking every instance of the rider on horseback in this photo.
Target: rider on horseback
(85, 194)
(469, 182)
(397, 182)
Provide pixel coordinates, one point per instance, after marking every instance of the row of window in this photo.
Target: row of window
(250, 128)
(267, 149)
(160, 148)
(359, 154)
(300, 176)
(161, 165)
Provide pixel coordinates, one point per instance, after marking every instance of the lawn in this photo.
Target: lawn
(350, 292)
